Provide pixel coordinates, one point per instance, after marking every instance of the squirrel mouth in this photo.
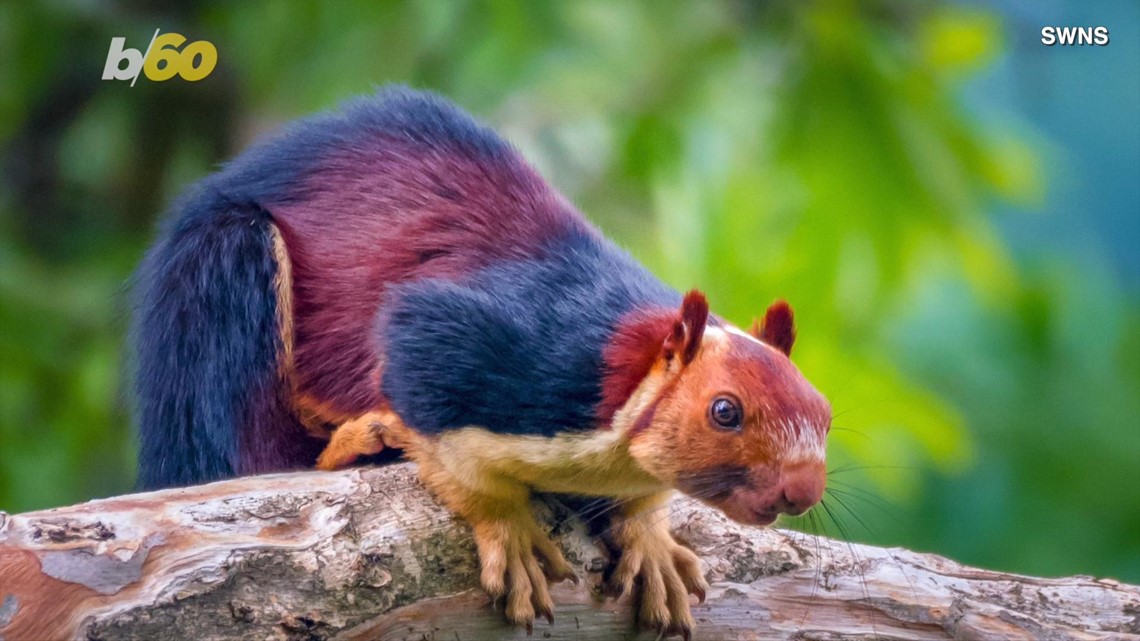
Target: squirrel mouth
(730, 490)
(748, 516)
(750, 506)
(764, 518)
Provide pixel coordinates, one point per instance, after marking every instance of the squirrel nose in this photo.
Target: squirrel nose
(801, 487)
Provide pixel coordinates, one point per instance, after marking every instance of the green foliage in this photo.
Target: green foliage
(813, 151)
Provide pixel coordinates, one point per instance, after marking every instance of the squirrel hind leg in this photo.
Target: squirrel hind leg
(364, 436)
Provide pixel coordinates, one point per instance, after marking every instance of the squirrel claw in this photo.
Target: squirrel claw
(546, 612)
(557, 574)
(665, 631)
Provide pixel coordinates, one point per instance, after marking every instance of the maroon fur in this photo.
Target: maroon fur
(383, 212)
(690, 327)
(641, 338)
(778, 328)
(629, 356)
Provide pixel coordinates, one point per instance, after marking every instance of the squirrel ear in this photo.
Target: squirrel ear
(778, 328)
(689, 328)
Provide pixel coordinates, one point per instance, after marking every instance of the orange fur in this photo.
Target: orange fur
(283, 284)
(353, 439)
(318, 415)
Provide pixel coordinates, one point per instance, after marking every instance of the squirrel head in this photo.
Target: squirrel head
(722, 414)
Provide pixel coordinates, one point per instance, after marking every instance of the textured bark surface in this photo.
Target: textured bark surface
(366, 554)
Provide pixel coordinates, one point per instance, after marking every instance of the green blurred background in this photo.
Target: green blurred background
(952, 208)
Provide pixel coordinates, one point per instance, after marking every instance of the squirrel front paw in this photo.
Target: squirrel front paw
(509, 554)
(668, 573)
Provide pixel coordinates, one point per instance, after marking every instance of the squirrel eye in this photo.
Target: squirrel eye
(725, 412)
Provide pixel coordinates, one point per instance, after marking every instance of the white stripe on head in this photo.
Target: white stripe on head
(739, 332)
(800, 441)
(714, 331)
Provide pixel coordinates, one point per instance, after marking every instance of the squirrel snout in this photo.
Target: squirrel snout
(801, 486)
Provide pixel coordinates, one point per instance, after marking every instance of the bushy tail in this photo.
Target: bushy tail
(206, 342)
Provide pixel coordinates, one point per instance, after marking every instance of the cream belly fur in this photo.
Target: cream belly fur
(596, 463)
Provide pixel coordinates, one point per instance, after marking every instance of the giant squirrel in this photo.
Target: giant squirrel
(394, 271)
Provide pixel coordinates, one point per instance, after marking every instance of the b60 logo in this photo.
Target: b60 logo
(162, 60)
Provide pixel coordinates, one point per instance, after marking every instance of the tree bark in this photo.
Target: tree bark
(366, 554)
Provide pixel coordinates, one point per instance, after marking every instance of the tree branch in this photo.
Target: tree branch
(366, 554)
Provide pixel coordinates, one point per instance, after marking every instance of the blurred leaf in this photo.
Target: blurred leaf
(960, 39)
